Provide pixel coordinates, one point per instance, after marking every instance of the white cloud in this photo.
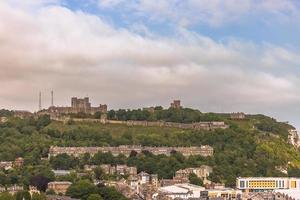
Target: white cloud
(77, 54)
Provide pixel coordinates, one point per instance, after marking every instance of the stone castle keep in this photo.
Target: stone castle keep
(78, 105)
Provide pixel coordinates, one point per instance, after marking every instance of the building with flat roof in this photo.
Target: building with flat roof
(59, 187)
(179, 191)
(223, 193)
(61, 172)
(261, 184)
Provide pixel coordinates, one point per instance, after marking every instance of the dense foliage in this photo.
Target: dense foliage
(253, 147)
(185, 115)
(86, 190)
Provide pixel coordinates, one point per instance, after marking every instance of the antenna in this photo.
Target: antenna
(52, 101)
(40, 101)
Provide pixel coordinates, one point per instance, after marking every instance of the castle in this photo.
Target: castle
(78, 105)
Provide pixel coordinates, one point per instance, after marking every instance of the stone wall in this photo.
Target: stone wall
(196, 125)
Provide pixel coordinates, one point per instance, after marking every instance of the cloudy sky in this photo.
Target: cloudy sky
(214, 55)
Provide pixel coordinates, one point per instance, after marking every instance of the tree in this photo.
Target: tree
(50, 192)
(3, 179)
(19, 195)
(195, 180)
(293, 172)
(6, 196)
(39, 181)
(81, 189)
(110, 193)
(26, 195)
(94, 197)
(37, 196)
(99, 173)
(64, 162)
(133, 153)
(43, 121)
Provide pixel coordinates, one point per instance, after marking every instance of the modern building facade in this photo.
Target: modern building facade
(261, 184)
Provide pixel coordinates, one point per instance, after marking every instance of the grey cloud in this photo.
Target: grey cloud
(77, 54)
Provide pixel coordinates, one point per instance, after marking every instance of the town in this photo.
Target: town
(193, 183)
(149, 99)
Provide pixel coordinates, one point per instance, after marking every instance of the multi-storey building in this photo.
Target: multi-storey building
(114, 169)
(127, 150)
(261, 184)
(12, 164)
(59, 187)
(201, 172)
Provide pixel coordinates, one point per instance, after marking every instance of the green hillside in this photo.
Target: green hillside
(255, 146)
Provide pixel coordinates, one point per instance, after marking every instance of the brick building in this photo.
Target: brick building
(59, 187)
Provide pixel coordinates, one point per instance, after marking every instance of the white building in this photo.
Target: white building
(61, 172)
(293, 137)
(182, 191)
(144, 177)
(3, 119)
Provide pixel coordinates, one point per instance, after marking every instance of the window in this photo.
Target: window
(242, 184)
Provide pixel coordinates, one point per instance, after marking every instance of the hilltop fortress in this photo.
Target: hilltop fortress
(84, 106)
(78, 105)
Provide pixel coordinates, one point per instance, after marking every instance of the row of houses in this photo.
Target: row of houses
(113, 169)
(17, 188)
(204, 150)
(17, 163)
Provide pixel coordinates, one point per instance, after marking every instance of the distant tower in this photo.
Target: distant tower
(52, 101)
(40, 101)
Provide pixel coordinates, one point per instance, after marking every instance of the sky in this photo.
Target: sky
(214, 55)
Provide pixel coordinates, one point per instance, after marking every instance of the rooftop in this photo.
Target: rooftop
(293, 193)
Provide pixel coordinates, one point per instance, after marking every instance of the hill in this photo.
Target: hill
(255, 146)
